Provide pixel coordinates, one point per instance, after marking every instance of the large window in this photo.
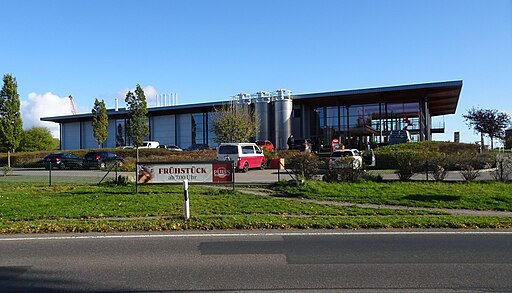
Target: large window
(120, 133)
(358, 125)
(209, 128)
(399, 116)
(198, 133)
(332, 118)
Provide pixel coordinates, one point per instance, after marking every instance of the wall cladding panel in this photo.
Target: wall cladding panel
(163, 129)
(184, 123)
(88, 140)
(70, 136)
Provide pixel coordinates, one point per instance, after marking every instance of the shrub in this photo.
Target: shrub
(37, 139)
(343, 170)
(304, 164)
(407, 163)
(503, 170)
(468, 163)
(440, 163)
(385, 155)
(269, 156)
(6, 170)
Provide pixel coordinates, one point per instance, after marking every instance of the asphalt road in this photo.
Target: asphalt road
(258, 262)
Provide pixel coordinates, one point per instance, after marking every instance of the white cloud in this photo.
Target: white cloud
(37, 106)
(149, 91)
(45, 105)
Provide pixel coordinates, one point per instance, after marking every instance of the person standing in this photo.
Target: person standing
(290, 142)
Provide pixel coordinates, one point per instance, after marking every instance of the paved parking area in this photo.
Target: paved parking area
(267, 176)
(256, 176)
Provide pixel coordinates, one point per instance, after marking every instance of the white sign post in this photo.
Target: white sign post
(186, 199)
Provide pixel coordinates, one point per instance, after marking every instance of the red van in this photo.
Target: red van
(245, 155)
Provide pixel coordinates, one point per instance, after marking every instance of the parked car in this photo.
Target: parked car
(62, 160)
(245, 155)
(198, 147)
(170, 147)
(101, 159)
(303, 145)
(174, 148)
(346, 158)
(369, 158)
(399, 136)
(266, 145)
(149, 145)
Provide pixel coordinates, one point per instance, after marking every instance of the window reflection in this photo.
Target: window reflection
(360, 125)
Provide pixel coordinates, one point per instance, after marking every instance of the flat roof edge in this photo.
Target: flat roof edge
(455, 83)
(122, 111)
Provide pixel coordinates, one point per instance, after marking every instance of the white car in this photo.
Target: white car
(345, 158)
(149, 145)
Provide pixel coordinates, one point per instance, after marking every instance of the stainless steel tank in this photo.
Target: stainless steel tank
(261, 112)
(283, 114)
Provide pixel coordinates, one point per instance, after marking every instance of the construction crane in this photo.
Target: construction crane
(73, 109)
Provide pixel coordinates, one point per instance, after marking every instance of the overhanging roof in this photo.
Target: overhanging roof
(442, 96)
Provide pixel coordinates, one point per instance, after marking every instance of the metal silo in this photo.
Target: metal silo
(283, 114)
(242, 100)
(261, 110)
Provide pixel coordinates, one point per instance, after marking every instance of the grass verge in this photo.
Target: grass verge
(451, 195)
(37, 208)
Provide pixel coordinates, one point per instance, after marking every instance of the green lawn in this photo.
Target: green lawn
(456, 195)
(32, 207)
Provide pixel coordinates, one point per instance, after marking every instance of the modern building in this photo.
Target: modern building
(508, 138)
(357, 118)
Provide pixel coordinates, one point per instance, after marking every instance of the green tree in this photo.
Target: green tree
(136, 125)
(37, 139)
(233, 123)
(99, 122)
(11, 125)
(489, 122)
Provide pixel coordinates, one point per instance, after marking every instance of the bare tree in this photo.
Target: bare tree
(489, 122)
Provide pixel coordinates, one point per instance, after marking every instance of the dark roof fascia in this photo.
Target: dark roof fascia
(433, 85)
(122, 112)
(425, 89)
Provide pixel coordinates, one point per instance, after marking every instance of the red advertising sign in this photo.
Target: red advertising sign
(222, 172)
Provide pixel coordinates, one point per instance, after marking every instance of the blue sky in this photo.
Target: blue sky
(210, 50)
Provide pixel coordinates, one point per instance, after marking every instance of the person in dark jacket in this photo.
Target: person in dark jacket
(290, 142)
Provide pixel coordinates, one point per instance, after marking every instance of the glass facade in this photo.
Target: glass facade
(202, 129)
(209, 128)
(198, 131)
(359, 126)
(120, 133)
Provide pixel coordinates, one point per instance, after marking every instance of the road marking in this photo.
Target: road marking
(252, 234)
